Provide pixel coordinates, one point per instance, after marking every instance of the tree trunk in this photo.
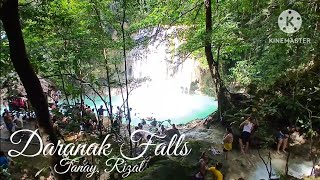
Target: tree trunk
(64, 88)
(126, 74)
(61, 76)
(11, 22)
(221, 91)
(123, 100)
(82, 105)
(109, 87)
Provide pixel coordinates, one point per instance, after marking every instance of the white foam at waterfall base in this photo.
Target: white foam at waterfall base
(163, 103)
(297, 168)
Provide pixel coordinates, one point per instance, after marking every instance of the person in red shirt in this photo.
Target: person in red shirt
(21, 103)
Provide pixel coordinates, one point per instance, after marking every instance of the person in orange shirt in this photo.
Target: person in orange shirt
(217, 175)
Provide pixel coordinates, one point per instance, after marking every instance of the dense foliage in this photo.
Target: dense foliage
(65, 38)
(78, 45)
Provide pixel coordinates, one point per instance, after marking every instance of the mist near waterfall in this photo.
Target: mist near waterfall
(168, 93)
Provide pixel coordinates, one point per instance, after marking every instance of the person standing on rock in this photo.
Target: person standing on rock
(227, 142)
(247, 126)
(282, 137)
(100, 112)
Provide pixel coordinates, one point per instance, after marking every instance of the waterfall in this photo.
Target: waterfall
(160, 62)
(166, 95)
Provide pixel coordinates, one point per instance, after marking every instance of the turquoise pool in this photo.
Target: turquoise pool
(179, 108)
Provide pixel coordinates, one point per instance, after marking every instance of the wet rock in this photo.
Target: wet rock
(174, 168)
(203, 130)
(104, 176)
(25, 170)
(171, 132)
(164, 170)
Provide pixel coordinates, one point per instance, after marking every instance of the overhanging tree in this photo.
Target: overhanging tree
(11, 23)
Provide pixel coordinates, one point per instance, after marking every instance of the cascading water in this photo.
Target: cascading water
(160, 62)
(166, 95)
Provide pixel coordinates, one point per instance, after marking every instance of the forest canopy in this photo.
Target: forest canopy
(246, 61)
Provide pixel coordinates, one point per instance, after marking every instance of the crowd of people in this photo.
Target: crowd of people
(159, 130)
(247, 128)
(93, 122)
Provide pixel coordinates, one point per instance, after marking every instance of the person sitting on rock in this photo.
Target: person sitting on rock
(176, 129)
(207, 121)
(157, 131)
(296, 137)
(143, 122)
(216, 171)
(201, 174)
(153, 122)
(4, 160)
(137, 137)
(162, 130)
(171, 132)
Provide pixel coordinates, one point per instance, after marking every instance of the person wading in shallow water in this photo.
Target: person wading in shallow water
(227, 142)
(247, 126)
(203, 167)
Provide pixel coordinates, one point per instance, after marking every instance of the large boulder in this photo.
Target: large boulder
(171, 132)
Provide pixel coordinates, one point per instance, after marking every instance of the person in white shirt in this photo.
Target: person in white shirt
(19, 123)
(247, 126)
